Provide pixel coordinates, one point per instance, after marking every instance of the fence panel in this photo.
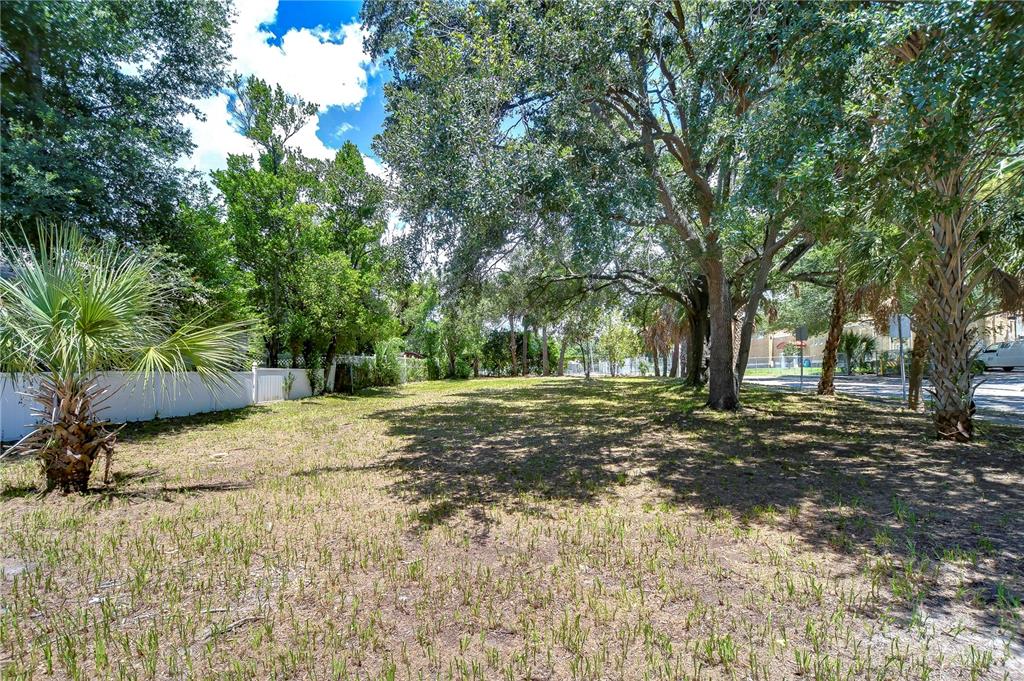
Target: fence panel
(133, 398)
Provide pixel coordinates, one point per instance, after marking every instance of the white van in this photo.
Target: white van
(1003, 356)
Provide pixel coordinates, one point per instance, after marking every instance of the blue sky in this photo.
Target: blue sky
(366, 120)
(312, 49)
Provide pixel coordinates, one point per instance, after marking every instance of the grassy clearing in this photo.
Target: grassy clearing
(525, 528)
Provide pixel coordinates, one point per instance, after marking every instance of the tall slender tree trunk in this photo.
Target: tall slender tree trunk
(476, 367)
(512, 342)
(664, 363)
(654, 354)
(526, 347)
(830, 355)
(544, 350)
(561, 358)
(586, 361)
(332, 348)
(918, 362)
(723, 391)
(674, 369)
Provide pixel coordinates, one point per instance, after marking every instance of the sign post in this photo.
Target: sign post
(801, 340)
(899, 327)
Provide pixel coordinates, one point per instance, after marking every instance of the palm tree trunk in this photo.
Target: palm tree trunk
(674, 369)
(561, 359)
(70, 436)
(949, 321)
(526, 347)
(654, 353)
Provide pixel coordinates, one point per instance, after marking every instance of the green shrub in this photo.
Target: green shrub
(415, 369)
(463, 369)
(387, 370)
(315, 372)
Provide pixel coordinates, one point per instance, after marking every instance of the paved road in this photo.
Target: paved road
(1001, 394)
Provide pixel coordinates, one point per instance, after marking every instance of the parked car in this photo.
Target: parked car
(1005, 356)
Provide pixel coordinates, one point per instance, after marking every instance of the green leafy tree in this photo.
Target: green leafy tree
(616, 340)
(942, 95)
(705, 119)
(93, 95)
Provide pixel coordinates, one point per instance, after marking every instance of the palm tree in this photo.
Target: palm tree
(850, 344)
(76, 308)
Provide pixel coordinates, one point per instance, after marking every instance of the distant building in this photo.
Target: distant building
(781, 349)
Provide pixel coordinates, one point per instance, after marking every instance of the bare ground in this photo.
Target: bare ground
(525, 528)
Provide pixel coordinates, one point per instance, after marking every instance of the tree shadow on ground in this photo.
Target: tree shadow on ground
(857, 477)
(146, 431)
(99, 495)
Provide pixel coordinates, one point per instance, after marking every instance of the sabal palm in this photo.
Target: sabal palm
(76, 308)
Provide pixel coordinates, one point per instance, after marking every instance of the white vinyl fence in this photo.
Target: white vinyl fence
(161, 397)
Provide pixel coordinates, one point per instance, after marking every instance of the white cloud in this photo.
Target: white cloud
(214, 138)
(374, 167)
(311, 145)
(321, 66)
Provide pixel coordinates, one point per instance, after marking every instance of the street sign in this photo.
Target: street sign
(899, 327)
(901, 330)
(801, 337)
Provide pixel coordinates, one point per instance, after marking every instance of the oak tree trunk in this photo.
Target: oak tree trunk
(723, 392)
(700, 328)
(332, 349)
(830, 355)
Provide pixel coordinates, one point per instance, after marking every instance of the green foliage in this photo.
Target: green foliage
(855, 348)
(617, 340)
(77, 308)
(386, 368)
(315, 374)
(93, 96)
(308, 232)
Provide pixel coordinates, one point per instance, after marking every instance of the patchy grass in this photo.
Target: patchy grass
(525, 528)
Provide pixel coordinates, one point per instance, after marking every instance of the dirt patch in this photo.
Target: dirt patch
(528, 528)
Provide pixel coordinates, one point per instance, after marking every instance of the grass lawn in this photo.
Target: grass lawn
(525, 529)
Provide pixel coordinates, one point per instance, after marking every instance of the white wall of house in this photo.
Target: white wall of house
(162, 396)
